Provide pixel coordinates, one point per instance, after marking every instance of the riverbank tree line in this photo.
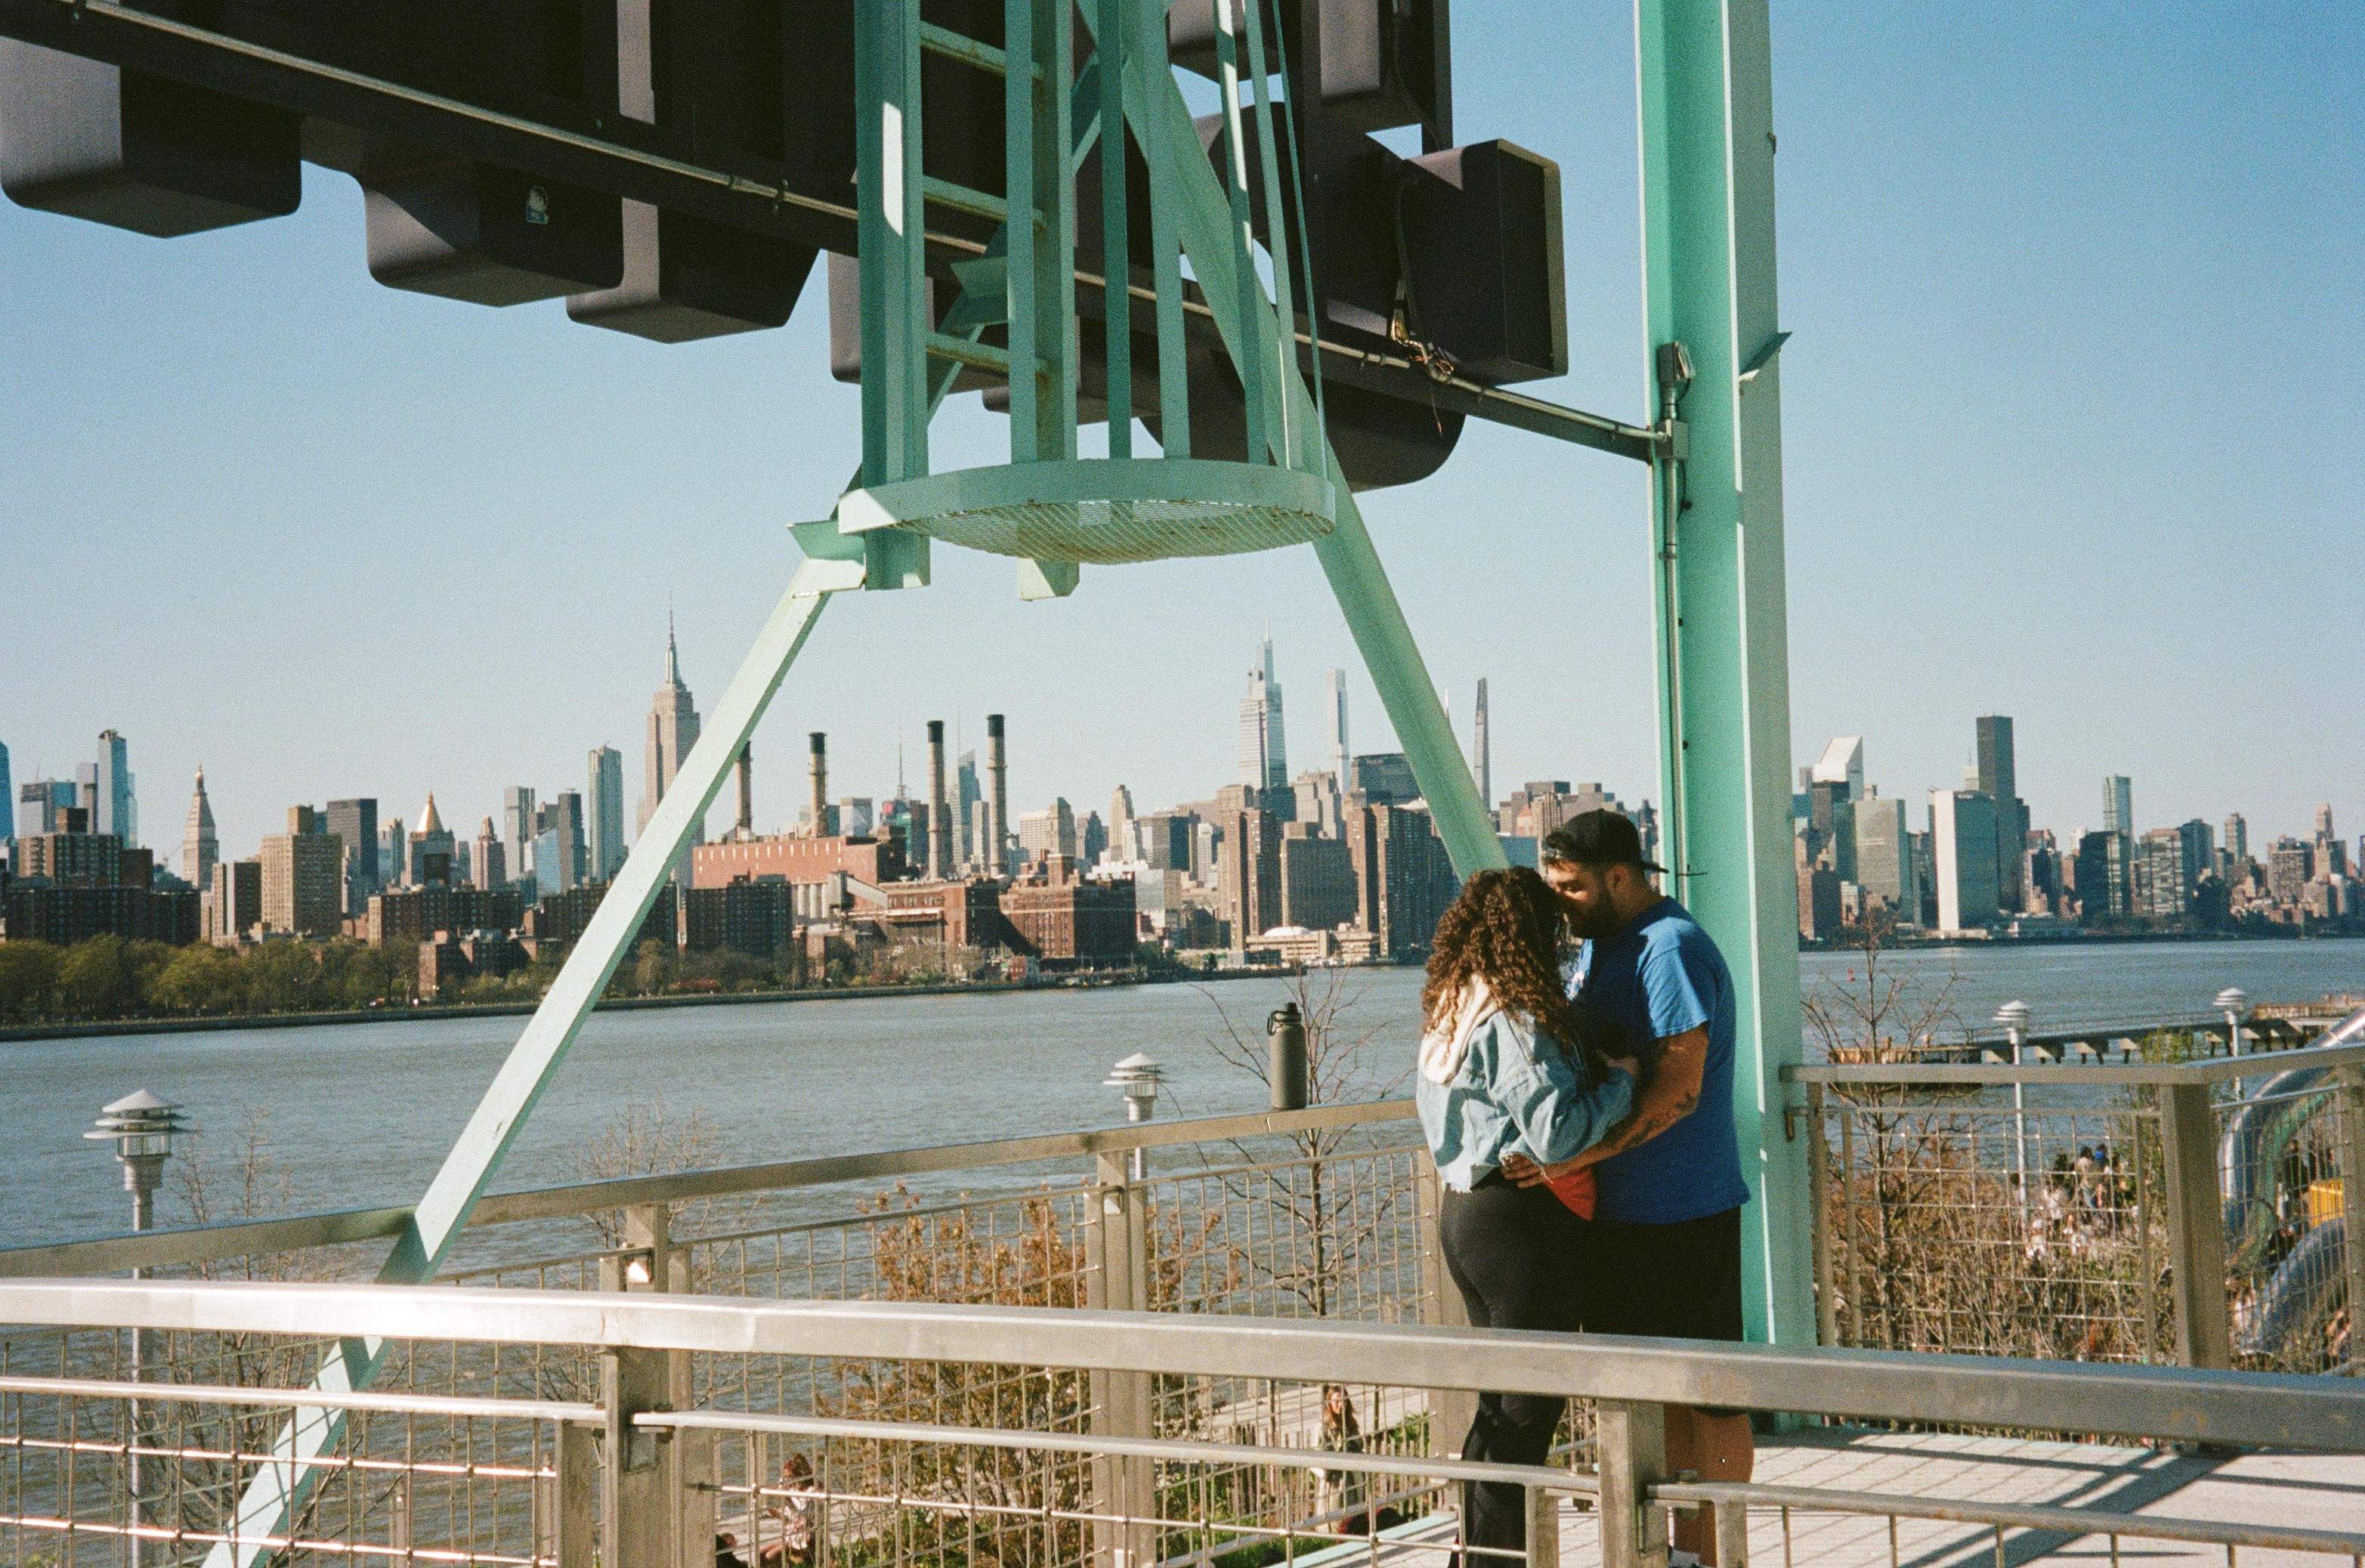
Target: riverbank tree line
(106, 979)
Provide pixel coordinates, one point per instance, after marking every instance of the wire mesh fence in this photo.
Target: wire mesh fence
(2034, 1220)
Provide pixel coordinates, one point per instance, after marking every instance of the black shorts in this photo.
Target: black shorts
(1669, 1282)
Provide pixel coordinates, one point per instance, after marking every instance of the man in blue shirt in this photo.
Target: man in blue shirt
(1666, 1238)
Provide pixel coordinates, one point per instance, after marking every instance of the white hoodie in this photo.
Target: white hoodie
(1443, 1049)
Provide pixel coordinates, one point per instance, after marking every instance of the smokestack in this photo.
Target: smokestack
(941, 815)
(999, 765)
(746, 829)
(820, 784)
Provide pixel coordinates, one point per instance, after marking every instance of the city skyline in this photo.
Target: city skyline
(224, 429)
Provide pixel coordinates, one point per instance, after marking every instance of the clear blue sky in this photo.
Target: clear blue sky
(2074, 432)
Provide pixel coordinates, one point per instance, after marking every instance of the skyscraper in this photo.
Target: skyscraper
(673, 730)
(113, 809)
(430, 848)
(967, 794)
(558, 844)
(1482, 758)
(1962, 824)
(1841, 763)
(1885, 862)
(2119, 805)
(7, 807)
(1999, 778)
(355, 822)
(2238, 840)
(491, 869)
(1264, 761)
(1120, 824)
(603, 811)
(1337, 714)
(517, 829)
(199, 848)
(2119, 819)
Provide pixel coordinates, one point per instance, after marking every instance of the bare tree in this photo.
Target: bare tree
(1340, 1230)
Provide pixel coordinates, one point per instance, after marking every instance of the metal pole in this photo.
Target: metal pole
(1631, 1447)
(1706, 135)
(2020, 1124)
(2196, 1226)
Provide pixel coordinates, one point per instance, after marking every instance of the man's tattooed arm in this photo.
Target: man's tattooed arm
(1672, 1093)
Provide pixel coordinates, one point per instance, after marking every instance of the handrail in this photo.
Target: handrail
(2216, 1070)
(2257, 1409)
(164, 1393)
(196, 1244)
(1540, 1477)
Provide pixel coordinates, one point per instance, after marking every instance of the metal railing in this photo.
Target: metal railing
(634, 1478)
(2209, 1211)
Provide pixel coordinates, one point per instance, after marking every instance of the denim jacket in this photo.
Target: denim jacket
(1515, 1087)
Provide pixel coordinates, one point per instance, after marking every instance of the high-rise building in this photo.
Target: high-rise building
(967, 794)
(41, 805)
(7, 806)
(603, 812)
(392, 855)
(491, 866)
(1403, 879)
(1336, 714)
(2331, 854)
(355, 822)
(303, 883)
(1248, 875)
(1091, 839)
(2238, 840)
(1999, 780)
(559, 850)
(672, 732)
(1264, 761)
(1481, 754)
(517, 829)
(1318, 803)
(114, 807)
(1051, 832)
(1317, 879)
(1841, 763)
(1962, 826)
(231, 904)
(429, 852)
(1831, 818)
(199, 848)
(1384, 779)
(2165, 877)
(2119, 805)
(1120, 825)
(1885, 869)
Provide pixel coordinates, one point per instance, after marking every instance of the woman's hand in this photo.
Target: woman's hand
(1521, 1172)
(1630, 1066)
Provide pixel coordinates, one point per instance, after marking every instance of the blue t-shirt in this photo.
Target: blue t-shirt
(1659, 977)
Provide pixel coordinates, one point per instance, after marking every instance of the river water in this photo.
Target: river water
(361, 1114)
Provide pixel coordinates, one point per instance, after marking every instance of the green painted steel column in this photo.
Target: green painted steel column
(1706, 82)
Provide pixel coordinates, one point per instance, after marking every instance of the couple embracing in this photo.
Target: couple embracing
(1582, 1128)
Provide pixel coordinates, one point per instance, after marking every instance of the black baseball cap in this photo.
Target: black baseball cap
(1597, 838)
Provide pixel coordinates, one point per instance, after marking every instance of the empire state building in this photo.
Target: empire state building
(673, 730)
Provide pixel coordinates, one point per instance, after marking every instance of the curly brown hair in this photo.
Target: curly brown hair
(1506, 927)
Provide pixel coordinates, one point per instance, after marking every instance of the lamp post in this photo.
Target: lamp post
(141, 1127)
(1138, 1076)
(2234, 1003)
(2014, 1016)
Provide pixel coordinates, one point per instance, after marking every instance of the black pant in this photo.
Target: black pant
(1518, 1256)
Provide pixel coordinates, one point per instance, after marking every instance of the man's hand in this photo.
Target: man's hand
(1521, 1172)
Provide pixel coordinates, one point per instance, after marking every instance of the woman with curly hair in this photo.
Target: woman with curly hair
(1508, 1066)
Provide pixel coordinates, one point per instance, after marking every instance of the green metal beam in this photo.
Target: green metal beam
(1188, 187)
(1720, 616)
(278, 1490)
